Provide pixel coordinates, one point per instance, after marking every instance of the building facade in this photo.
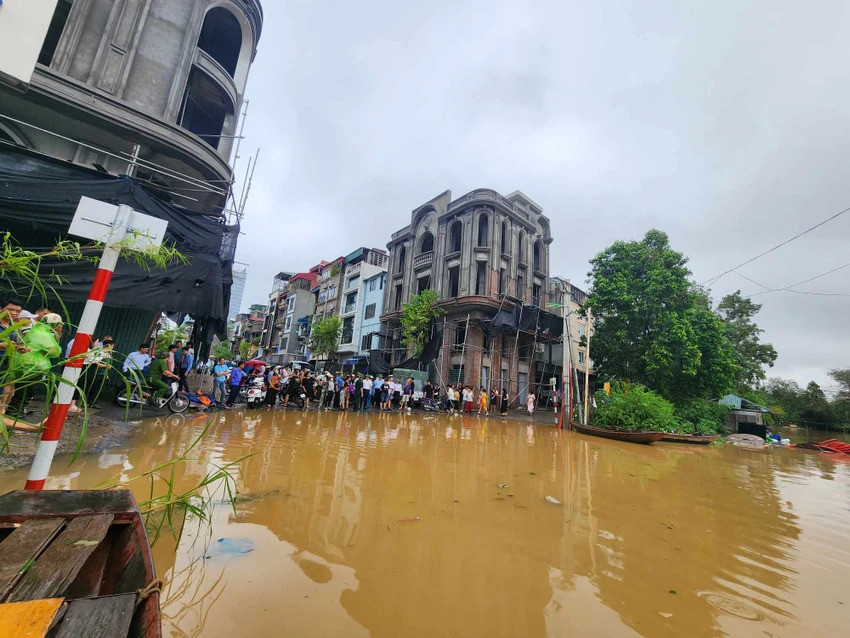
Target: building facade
(370, 312)
(273, 321)
(295, 316)
(237, 290)
(359, 266)
(328, 288)
(150, 88)
(481, 253)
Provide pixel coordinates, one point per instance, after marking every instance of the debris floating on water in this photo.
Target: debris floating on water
(230, 546)
(408, 520)
(553, 500)
(503, 486)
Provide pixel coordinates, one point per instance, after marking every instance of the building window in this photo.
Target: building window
(460, 335)
(483, 230)
(351, 299)
(521, 248)
(54, 32)
(402, 257)
(221, 38)
(354, 281)
(455, 236)
(205, 107)
(284, 344)
(383, 279)
(535, 295)
(485, 377)
(581, 357)
(290, 304)
(481, 278)
(332, 292)
(423, 283)
(503, 281)
(537, 257)
(456, 375)
(454, 281)
(366, 342)
(370, 311)
(505, 238)
(347, 330)
(287, 325)
(426, 245)
(520, 284)
(398, 297)
(373, 284)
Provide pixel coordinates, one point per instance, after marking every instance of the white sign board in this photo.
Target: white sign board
(98, 220)
(23, 26)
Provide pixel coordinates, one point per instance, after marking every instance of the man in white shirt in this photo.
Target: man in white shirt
(138, 361)
(367, 392)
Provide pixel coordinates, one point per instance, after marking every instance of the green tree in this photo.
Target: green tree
(166, 336)
(842, 381)
(245, 349)
(653, 326)
(417, 317)
(221, 349)
(816, 410)
(751, 355)
(324, 337)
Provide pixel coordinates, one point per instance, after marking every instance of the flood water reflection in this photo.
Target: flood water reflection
(391, 525)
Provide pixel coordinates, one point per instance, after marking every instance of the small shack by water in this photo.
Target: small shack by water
(745, 416)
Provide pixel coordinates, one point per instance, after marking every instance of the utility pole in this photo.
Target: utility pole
(566, 364)
(587, 369)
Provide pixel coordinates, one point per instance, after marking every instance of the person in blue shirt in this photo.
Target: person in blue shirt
(340, 382)
(220, 373)
(187, 362)
(236, 376)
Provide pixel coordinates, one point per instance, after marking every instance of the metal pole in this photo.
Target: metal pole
(82, 340)
(587, 371)
(566, 392)
(463, 350)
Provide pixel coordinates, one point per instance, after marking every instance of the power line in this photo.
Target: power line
(799, 283)
(714, 280)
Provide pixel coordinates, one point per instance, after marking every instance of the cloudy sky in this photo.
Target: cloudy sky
(726, 125)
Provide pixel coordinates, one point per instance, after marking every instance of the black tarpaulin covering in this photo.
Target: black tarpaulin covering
(525, 318)
(38, 197)
(379, 365)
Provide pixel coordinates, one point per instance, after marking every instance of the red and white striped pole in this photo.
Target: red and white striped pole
(82, 341)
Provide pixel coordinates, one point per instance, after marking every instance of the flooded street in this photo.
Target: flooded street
(420, 525)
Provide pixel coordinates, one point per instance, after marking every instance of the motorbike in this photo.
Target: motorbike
(176, 400)
(435, 404)
(255, 394)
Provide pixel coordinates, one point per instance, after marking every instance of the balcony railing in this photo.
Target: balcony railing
(353, 268)
(346, 338)
(423, 260)
(349, 308)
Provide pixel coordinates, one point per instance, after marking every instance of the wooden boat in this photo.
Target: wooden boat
(76, 563)
(631, 436)
(697, 439)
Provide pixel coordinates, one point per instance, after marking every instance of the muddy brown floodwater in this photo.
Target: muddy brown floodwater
(422, 525)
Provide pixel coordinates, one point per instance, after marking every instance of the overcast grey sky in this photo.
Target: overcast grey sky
(725, 124)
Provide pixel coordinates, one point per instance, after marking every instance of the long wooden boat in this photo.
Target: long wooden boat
(698, 439)
(77, 563)
(631, 436)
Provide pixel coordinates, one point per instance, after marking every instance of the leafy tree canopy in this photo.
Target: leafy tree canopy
(324, 336)
(653, 326)
(221, 349)
(751, 355)
(417, 316)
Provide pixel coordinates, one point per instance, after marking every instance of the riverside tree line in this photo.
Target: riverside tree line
(672, 353)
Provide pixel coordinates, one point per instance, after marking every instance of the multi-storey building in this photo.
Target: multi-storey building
(273, 321)
(133, 102)
(361, 265)
(482, 253)
(327, 289)
(370, 312)
(295, 315)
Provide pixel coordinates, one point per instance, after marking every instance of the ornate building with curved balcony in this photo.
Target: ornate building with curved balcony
(149, 88)
(482, 253)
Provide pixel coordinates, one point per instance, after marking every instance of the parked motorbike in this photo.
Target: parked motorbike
(176, 400)
(255, 394)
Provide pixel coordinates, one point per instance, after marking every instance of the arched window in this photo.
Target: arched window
(521, 254)
(537, 256)
(505, 238)
(205, 107)
(426, 244)
(455, 236)
(402, 257)
(221, 38)
(483, 230)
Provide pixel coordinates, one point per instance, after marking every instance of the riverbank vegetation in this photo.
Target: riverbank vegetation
(657, 328)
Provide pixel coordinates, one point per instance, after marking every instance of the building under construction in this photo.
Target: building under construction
(487, 256)
(134, 103)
